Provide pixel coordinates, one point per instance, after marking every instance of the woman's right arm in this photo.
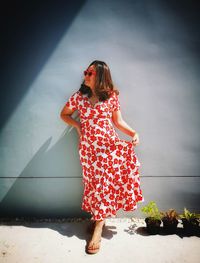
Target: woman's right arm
(66, 117)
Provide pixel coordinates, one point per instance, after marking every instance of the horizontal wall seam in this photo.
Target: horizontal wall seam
(56, 177)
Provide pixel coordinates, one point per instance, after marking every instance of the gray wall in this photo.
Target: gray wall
(152, 50)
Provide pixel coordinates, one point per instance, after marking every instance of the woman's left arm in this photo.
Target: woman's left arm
(124, 127)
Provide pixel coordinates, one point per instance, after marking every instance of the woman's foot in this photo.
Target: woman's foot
(94, 243)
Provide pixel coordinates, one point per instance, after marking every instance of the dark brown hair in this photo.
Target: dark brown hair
(103, 82)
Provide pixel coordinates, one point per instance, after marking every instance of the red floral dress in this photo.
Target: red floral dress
(109, 164)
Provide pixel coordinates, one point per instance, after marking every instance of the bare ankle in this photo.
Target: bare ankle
(99, 222)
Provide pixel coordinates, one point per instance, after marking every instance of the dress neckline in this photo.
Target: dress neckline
(93, 105)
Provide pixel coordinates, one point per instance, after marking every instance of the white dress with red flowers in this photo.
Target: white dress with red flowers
(109, 164)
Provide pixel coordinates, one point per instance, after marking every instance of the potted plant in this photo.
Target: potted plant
(190, 222)
(153, 219)
(170, 221)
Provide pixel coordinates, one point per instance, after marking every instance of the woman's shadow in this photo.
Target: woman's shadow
(50, 186)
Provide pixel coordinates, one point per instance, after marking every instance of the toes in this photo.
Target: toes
(93, 245)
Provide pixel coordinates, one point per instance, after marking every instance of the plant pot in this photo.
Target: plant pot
(191, 226)
(153, 225)
(170, 226)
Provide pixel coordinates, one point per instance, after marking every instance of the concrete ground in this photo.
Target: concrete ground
(123, 240)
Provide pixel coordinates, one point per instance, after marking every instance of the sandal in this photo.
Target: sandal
(91, 250)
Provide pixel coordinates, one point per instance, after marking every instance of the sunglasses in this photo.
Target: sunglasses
(89, 73)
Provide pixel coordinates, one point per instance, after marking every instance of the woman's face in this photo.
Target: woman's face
(89, 79)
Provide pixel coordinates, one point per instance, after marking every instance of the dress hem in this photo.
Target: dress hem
(112, 215)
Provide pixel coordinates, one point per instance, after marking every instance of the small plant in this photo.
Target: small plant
(190, 221)
(171, 214)
(189, 216)
(170, 220)
(151, 210)
(153, 219)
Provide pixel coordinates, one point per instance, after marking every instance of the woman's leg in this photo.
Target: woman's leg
(94, 242)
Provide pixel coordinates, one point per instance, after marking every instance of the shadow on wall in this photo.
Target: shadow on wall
(43, 188)
(31, 30)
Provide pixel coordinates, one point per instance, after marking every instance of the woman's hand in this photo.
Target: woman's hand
(135, 139)
(78, 128)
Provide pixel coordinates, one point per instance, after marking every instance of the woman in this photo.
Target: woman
(110, 166)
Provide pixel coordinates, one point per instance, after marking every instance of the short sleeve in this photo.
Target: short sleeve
(116, 103)
(72, 102)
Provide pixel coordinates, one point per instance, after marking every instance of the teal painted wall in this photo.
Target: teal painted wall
(151, 49)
